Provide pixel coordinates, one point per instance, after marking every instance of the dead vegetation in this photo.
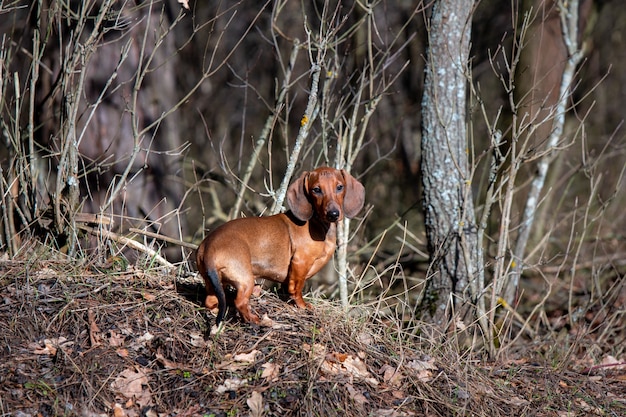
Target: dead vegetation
(86, 339)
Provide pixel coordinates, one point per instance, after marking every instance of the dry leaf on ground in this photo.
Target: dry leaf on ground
(391, 375)
(132, 383)
(340, 364)
(249, 357)
(50, 346)
(271, 371)
(231, 384)
(356, 395)
(423, 368)
(255, 402)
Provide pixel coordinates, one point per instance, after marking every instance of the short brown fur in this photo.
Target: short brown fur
(288, 248)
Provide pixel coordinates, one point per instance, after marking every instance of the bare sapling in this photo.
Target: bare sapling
(568, 12)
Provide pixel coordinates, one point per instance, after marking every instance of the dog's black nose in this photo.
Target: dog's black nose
(332, 215)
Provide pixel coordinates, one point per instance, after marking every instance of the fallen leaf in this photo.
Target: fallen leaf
(238, 361)
(339, 364)
(115, 339)
(95, 338)
(249, 357)
(141, 341)
(191, 411)
(146, 337)
(266, 321)
(197, 340)
(216, 329)
(424, 369)
(231, 384)
(393, 412)
(483, 390)
(391, 375)
(270, 371)
(400, 395)
(85, 412)
(356, 396)
(318, 350)
(418, 365)
(357, 368)
(588, 408)
(133, 385)
(613, 363)
(118, 410)
(122, 353)
(255, 402)
(516, 401)
(126, 330)
(425, 376)
(365, 339)
(168, 364)
(459, 324)
(46, 272)
(276, 326)
(50, 346)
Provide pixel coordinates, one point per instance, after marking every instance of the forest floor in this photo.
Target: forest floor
(117, 340)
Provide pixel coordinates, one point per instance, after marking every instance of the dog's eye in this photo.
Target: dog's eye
(316, 190)
(339, 188)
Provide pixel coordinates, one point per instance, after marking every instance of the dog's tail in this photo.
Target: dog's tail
(219, 293)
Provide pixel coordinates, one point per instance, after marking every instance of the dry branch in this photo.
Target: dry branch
(165, 238)
(569, 26)
(126, 242)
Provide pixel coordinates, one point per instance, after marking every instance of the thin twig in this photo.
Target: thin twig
(569, 27)
(269, 123)
(127, 242)
(303, 133)
(164, 238)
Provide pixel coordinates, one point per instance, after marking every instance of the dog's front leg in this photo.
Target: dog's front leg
(297, 277)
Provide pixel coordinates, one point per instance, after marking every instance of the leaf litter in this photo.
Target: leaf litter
(85, 343)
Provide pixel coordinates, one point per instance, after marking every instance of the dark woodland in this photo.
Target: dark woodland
(488, 135)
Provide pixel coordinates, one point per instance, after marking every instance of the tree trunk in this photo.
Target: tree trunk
(449, 212)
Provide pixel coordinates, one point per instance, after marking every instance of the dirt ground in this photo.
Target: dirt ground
(117, 340)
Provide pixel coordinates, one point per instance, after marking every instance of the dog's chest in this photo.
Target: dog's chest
(324, 251)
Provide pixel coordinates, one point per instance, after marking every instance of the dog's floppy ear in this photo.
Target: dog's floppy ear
(354, 197)
(297, 199)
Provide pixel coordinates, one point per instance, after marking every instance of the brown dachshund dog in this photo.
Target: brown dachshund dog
(288, 248)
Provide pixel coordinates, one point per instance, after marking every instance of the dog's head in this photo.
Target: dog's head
(330, 193)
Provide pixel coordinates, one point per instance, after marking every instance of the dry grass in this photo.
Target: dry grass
(86, 340)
